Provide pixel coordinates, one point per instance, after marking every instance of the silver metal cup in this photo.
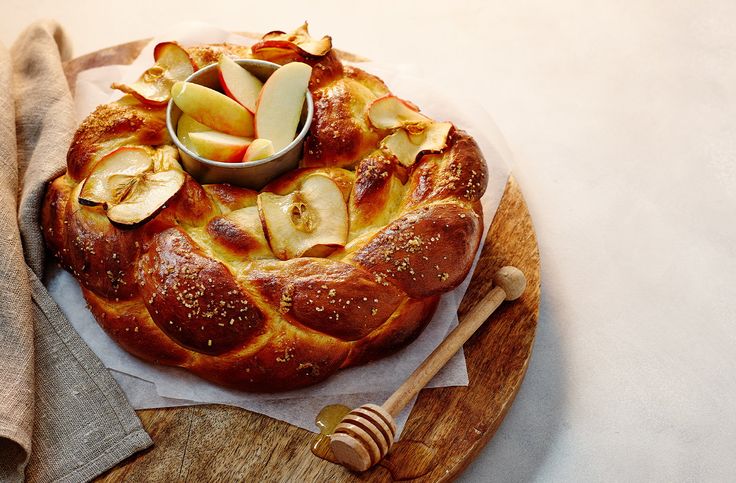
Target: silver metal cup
(253, 174)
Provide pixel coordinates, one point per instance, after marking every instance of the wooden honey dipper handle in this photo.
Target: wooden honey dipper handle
(509, 285)
(366, 434)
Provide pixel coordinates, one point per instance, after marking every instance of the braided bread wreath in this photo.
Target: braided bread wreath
(197, 285)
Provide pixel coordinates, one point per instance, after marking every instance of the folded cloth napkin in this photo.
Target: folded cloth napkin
(62, 416)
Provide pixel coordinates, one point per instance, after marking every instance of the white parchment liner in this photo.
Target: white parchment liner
(150, 386)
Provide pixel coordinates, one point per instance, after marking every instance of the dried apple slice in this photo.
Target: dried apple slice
(278, 51)
(174, 59)
(278, 45)
(316, 47)
(148, 194)
(409, 144)
(125, 161)
(125, 184)
(173, 64)
(390, 112)
(308, 222)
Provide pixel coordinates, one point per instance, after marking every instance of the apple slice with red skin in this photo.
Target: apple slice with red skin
(306, 47)
(311, 221)
(408, 145)
(219, 146)
(153, 88)
(148, 195)
(280, 104)
(125, 161)
(238, 83)
(258, 149)
(391, 112)
(125, 184)
(213, 109)
(278, 45)
(281, 54)
(174, 58)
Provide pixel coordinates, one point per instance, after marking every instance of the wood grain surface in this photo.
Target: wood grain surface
(447, 427)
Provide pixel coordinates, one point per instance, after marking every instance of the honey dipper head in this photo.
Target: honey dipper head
(511, 280)
(363, 437)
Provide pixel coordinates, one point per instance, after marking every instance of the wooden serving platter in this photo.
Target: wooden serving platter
(446, 429)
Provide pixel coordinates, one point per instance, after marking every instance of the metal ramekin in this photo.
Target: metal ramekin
(253, 174)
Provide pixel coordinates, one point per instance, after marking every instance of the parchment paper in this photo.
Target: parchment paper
(148, 386)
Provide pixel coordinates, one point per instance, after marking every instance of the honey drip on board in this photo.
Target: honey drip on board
(406, 460)
(327, 419)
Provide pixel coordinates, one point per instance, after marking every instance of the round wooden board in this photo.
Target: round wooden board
(446, 429)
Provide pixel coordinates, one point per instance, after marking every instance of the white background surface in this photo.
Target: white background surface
(623, 118)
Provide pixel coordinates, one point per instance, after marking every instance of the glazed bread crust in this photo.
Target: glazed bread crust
(197, 286)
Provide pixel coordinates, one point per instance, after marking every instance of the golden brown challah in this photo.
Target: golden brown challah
(198, 286)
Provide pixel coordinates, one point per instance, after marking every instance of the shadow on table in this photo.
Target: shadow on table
(522, 443)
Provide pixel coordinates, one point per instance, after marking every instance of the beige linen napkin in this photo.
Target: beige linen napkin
(62, 417)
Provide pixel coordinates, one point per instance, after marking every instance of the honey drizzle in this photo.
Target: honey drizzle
(407, 459)
(327, 419)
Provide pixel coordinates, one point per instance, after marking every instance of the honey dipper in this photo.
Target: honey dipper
(365, 434)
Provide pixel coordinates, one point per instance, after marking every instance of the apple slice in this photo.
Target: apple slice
(148, 193)
(280, 104)
(278, 45)
(238, 83)
(258, 149)
(125, 161)
(308, 222)
(409, 145)
(302, 39)
(390, 112)
(186, 126)
(219, 146)
(125, 184)
(173, 64)
(174, 59)
(213, 109)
